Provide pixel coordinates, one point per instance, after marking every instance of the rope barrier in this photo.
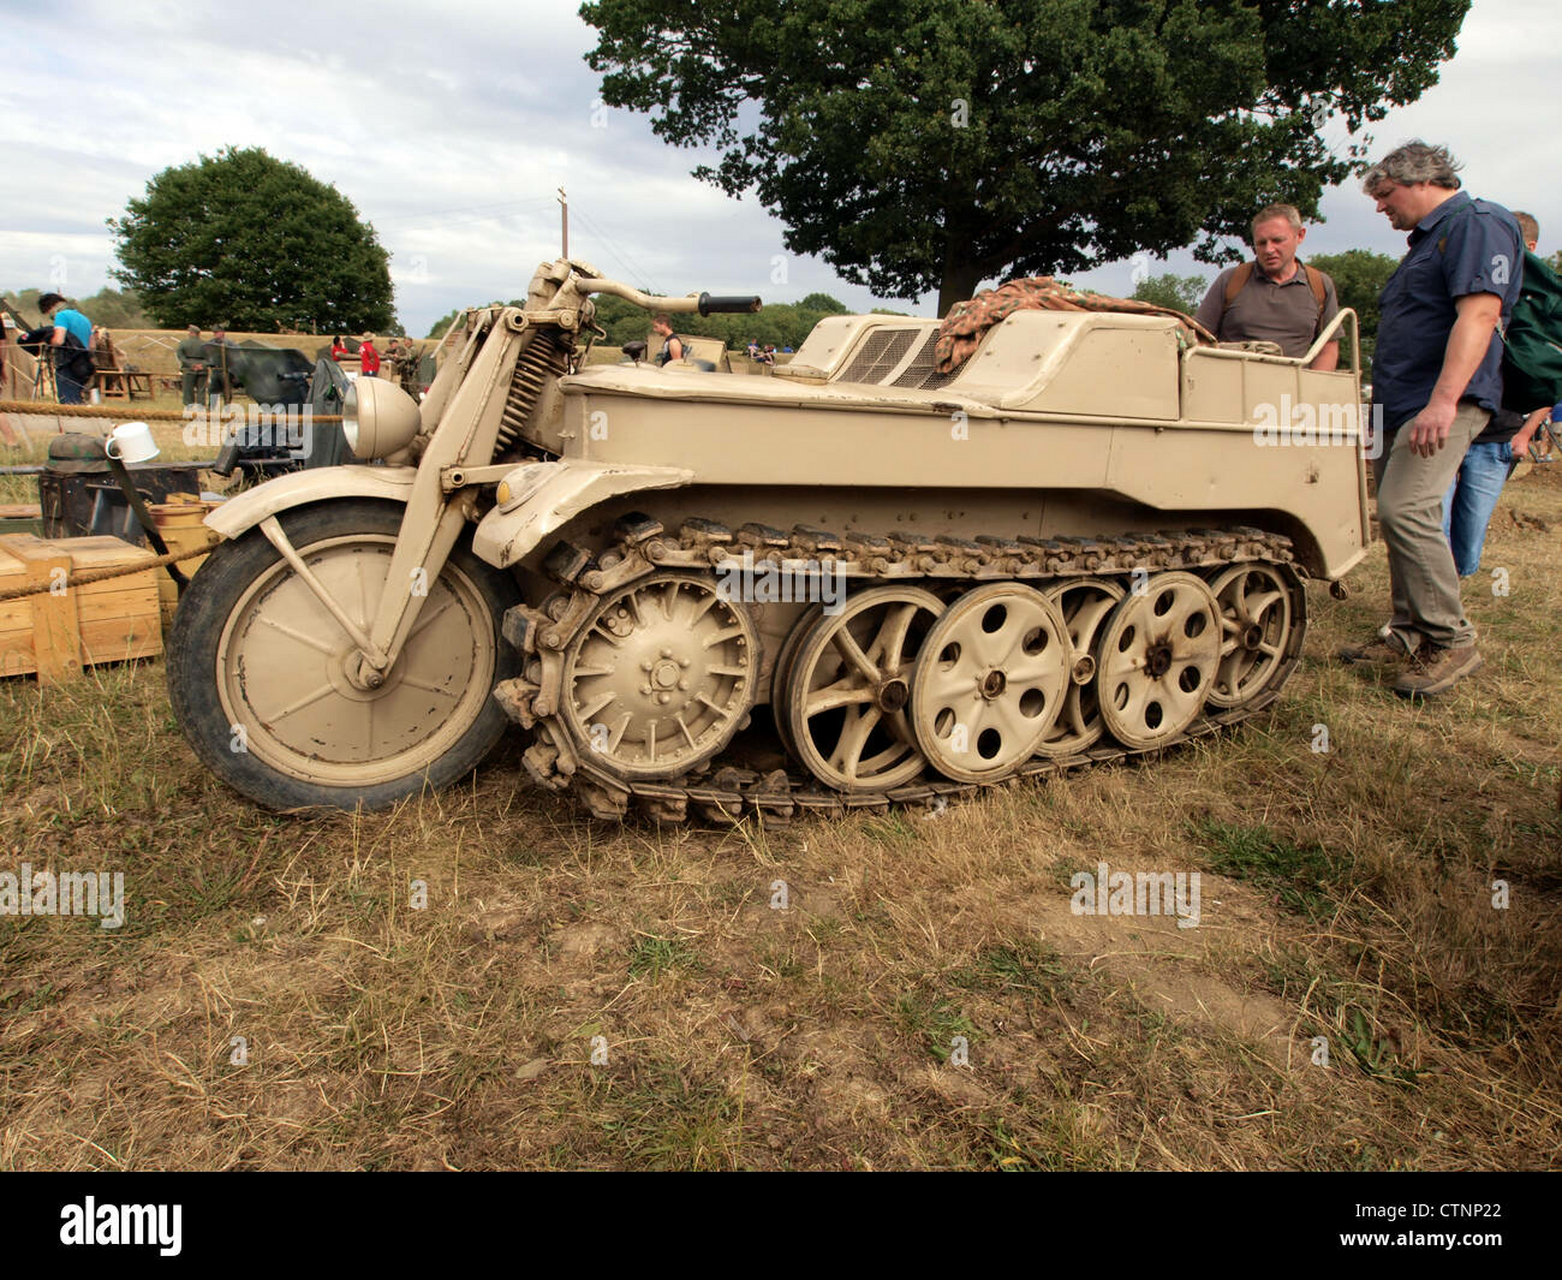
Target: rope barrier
(43, 409)
(103, 575)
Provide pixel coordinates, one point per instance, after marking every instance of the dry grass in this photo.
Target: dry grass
(1345, 894)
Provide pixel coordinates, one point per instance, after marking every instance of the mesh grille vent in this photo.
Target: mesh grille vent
(879, 355)
(919, 373)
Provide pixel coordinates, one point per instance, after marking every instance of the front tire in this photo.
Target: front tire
(257, 667)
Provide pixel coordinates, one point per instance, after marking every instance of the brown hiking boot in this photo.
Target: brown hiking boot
(1381, 648)
(1434, 670)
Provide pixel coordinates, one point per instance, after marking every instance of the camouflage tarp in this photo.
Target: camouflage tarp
(963, 327)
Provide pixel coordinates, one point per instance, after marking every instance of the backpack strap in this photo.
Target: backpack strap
(1235, 284)
(1315, 283)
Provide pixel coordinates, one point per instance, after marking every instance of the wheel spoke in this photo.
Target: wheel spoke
(308, 700)
(413, 682)
(1261, 602)
(891, 640)
(836, 695)
(854, 737)
(363, 596)
(309, 642)
(849, 649)
(426, 619)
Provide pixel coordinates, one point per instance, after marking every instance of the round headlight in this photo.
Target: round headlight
(350, 417)
(378, 418)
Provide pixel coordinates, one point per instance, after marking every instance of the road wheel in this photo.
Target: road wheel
(1255, 626)
(1086, 603)
(1156, 659)
(847, 687)
(991, 679)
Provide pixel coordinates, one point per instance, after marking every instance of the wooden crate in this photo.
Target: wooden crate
(53, 633)
(21, 517)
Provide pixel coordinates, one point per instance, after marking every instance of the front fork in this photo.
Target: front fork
(469, 415)
(422, 547)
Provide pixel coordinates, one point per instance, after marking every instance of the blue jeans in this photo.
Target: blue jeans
(1470, 500)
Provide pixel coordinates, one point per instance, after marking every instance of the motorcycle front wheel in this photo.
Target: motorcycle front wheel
(257, 666)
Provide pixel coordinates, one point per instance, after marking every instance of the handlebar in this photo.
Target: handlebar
(737, 304)
(704, 303)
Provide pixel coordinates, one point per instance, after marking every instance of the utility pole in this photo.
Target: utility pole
(564, 219)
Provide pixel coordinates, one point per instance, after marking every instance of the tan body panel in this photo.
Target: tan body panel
(548, 495)
(914, 454)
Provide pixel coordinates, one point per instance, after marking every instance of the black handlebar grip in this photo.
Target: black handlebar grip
(227, 460)
(709, 304)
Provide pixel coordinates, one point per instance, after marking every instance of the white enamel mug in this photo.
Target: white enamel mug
(135, 443)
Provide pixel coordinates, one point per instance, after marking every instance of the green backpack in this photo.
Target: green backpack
(1532, 341)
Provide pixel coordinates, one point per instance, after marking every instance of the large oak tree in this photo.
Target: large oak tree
(922, 144)
(254, 243)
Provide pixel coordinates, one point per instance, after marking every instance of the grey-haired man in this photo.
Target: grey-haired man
(1436, 381)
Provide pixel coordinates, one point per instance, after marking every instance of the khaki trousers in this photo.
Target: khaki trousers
(1422, 577)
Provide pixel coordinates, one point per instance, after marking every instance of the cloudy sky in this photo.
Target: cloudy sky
(451, 130)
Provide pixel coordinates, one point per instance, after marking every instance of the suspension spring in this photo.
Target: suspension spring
(545, 357)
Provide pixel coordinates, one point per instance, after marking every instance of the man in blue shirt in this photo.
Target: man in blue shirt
(1436, 381)
(72, 366)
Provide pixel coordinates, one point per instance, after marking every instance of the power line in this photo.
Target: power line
(625, 259)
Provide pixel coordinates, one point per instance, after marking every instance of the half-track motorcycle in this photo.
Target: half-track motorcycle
(857, 582)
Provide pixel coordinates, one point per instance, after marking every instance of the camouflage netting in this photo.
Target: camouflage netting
(962, 330)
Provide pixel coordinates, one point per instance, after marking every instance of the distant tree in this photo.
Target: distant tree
(823, 302)
(437, 329)
(107, 307)
(25, 301)
(1180, 293)
(933, 144)
(255, 243)
(114, 309)
(1359, 277)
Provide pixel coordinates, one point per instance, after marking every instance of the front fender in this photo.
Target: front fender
(300, 488)
(544, 496)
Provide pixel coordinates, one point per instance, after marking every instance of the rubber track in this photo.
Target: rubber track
(725, 794)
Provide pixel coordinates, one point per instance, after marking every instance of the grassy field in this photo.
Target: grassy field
(580, 995)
